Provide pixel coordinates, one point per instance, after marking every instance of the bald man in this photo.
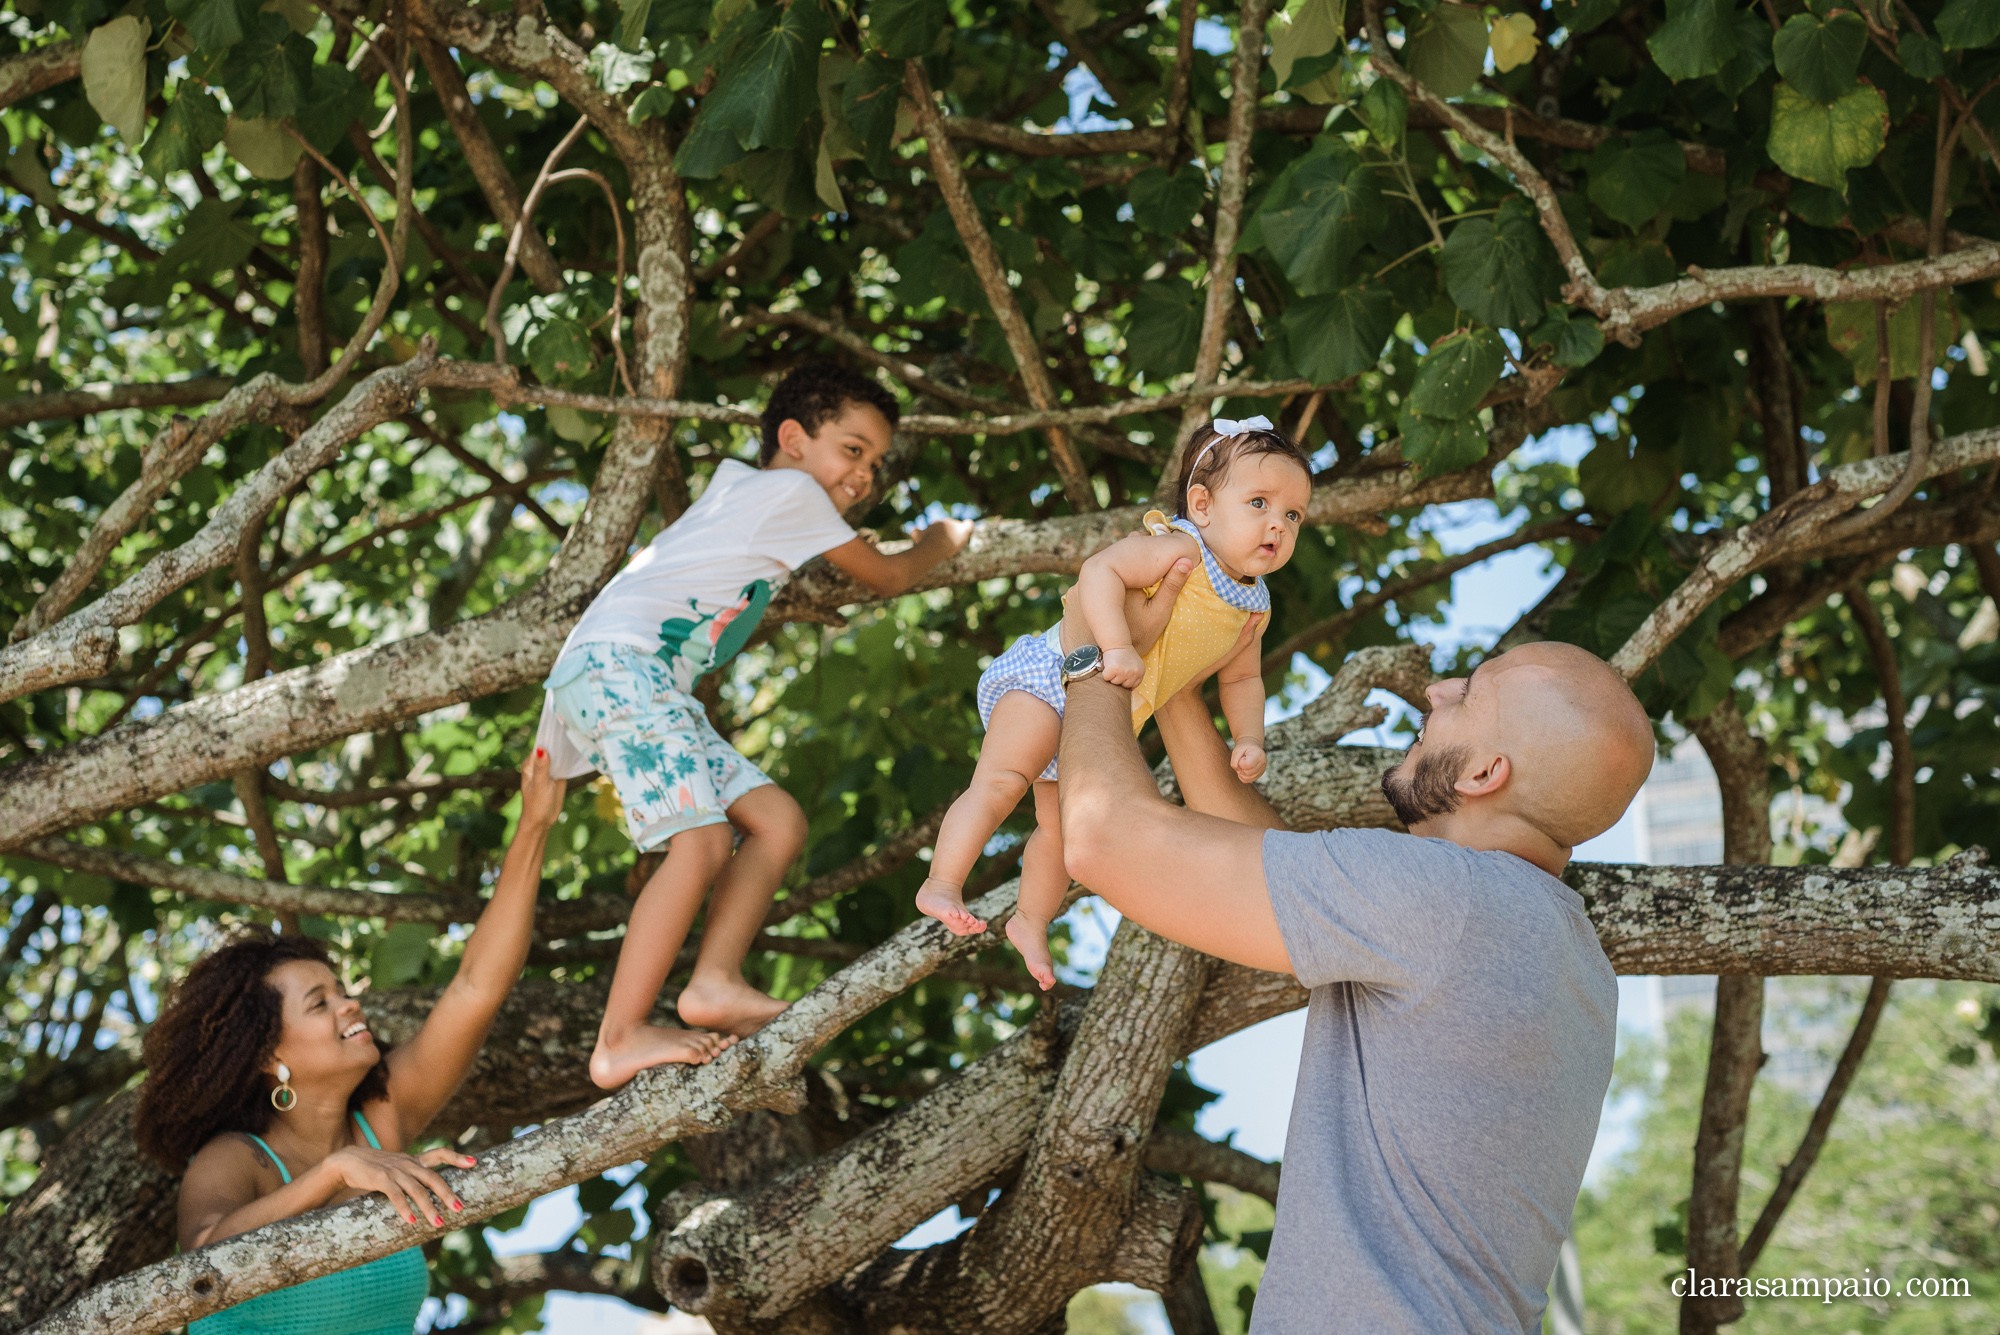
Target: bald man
(1459, 1040)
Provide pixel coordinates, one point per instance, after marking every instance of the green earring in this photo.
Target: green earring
(284, 1098)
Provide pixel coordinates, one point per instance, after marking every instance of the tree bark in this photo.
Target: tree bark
(1735, 1048)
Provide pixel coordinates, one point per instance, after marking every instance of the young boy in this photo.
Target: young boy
(621, 702)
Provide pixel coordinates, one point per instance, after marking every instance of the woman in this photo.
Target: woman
(265, 1085)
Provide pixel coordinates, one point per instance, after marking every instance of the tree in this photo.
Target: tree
(277, 658)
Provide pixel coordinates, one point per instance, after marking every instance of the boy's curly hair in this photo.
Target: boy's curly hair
(1210, 467)
(814, 395)
(204, 1054)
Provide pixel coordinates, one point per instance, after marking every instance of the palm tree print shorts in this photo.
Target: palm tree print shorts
(673, 772)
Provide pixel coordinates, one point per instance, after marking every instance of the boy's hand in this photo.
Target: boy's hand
(1124, 667)
(1248, 761)
(947, 536)
(541, 796)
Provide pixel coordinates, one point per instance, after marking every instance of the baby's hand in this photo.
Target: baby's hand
(1248, 761)
(1124, 667)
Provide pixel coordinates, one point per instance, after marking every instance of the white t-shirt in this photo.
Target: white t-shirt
(698, 590)
(750, 524)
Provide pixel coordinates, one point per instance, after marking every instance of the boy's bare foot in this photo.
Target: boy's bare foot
(1032, 940)
(942, 900)
(727, 1005)
(612, 1064)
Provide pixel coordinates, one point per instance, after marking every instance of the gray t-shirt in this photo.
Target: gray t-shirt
(1457, 1052)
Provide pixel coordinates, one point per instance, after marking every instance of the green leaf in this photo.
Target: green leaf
(826, 182)
(1164, 329)
(212, 239)
(1305, 52)
(1967, 23)
(263, 147)
(1441, 445)
(114, 76)
(1448, 50)
(268, 73)
(764, 93)
(190, 126)
(1164, 205)
(1635, 262)
(1330, 208)
(1340, 334)
(561, 353)
(1386, 111)
(1922, 57)
(1698, 38)
(658, 100)
(400, 954)
(1613, 478)
(1850, 328)
(215, 25)
(1820, 57)
(783, 178)
(1633, 176)
(869, 100)
(616, 69)
(1572, 341)
(632, 15)
(336, 101)
(1753, 53)
(904, 29)
(1821, 143)
(1501, 269)
(1455, 375)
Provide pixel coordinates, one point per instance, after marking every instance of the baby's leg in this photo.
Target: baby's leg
(626, 1043)
(1020, 741)
(774, 830)
(1044, 879)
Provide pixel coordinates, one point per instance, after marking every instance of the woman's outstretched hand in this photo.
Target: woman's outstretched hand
(407, 1180)
(541, 796)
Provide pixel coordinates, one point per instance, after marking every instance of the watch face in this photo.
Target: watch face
(1082, 660)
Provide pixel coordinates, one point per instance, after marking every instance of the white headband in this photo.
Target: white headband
(1225, 429)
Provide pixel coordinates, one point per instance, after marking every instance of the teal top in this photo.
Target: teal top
(380, 1298)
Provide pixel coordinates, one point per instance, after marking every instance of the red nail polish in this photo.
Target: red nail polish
(457, 1206)
(539, 753)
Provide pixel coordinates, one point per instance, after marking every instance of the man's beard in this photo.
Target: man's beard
(1429, 789)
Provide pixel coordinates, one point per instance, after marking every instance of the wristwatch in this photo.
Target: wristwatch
(1086, 660)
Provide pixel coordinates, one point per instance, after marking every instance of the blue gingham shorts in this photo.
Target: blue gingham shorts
(1033, 664)
(673, 772)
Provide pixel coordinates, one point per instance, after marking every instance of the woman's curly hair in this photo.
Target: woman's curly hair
(205, 1053)
(1210, 467)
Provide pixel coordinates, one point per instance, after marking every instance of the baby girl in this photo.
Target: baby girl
(1241, 499)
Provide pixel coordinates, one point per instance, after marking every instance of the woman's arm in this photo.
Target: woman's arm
(1137, 561)
(219, 1192)
(888, 574)
(1240, 684)
(424, 1072)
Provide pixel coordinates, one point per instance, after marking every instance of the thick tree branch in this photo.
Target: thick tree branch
(1220, 301)
(1790, 529)
(86, 642)
(29, 72)
(1742, 771)
(992, 273)
(503, 196)
(110, 398)
(1172, 1150)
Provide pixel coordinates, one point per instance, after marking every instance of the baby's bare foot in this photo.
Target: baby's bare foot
(942, 900)
(1032, 940)
(612, 1064)
(727, 1005)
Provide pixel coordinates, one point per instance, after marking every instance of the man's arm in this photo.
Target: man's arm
(1192, 878)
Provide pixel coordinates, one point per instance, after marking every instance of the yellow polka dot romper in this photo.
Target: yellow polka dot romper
(1207, 618)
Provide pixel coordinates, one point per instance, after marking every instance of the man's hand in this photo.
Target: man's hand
(1124, 667)
(1248, 761)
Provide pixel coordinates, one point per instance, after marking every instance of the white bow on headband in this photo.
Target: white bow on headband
(1225, 427)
